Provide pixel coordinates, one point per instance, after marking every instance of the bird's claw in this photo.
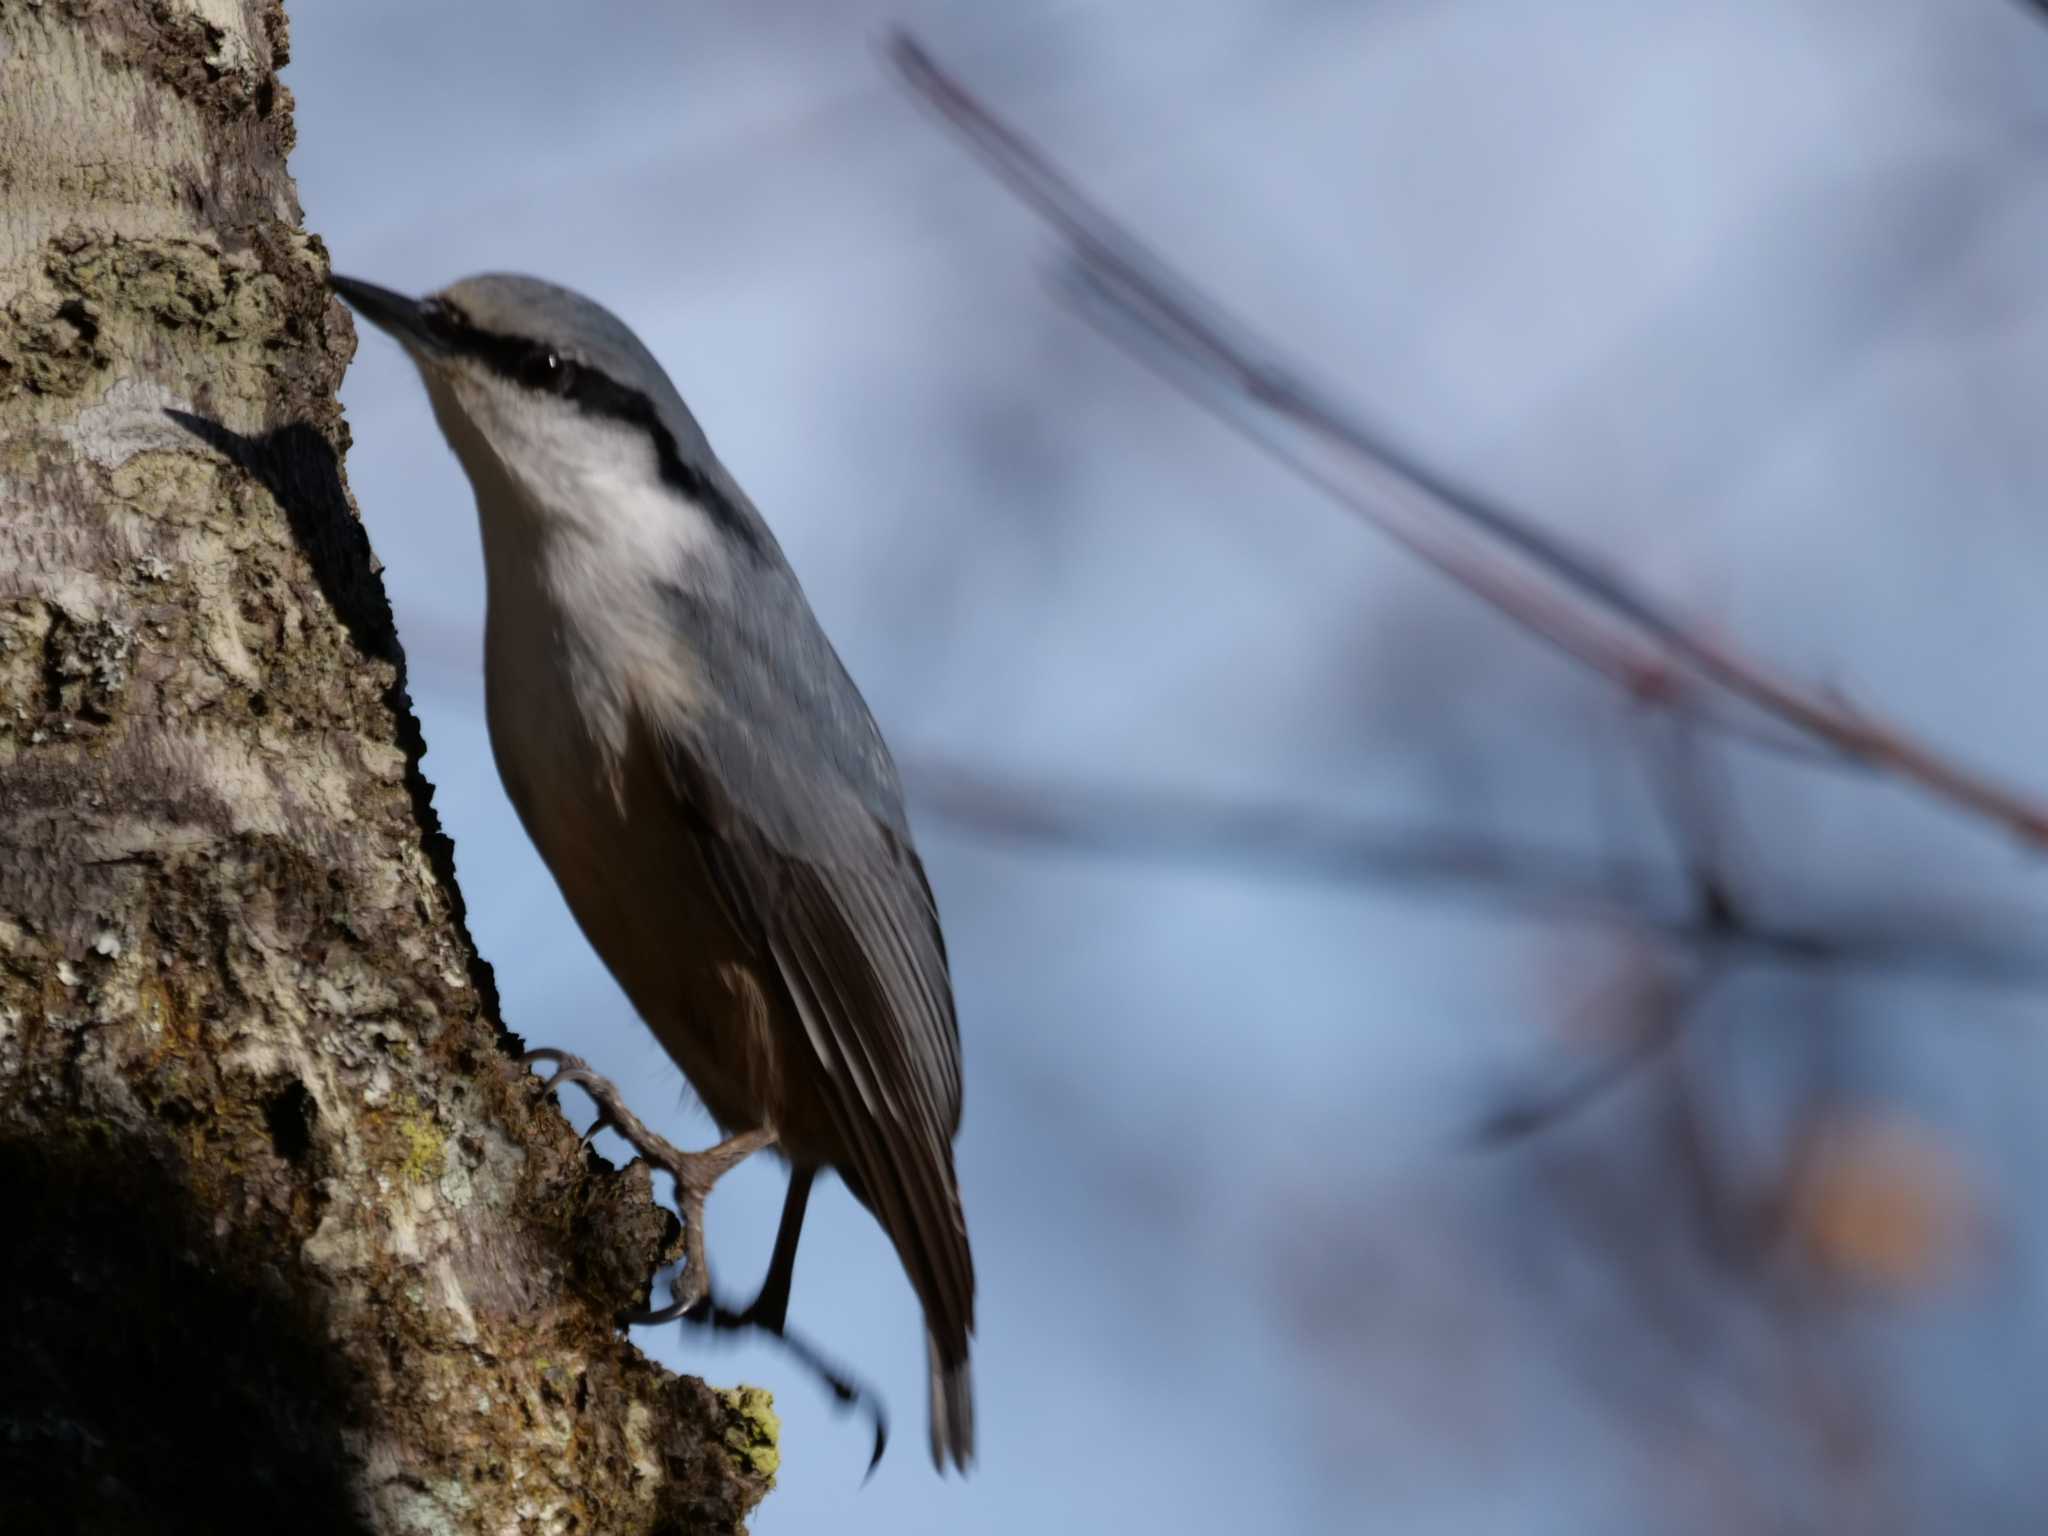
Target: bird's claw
(695, 1173)
(686, 1295)
(845, 1391)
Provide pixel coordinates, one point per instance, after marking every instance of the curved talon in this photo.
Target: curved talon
(648, 1319)
(552, 1057)
(583, 1077)
(683, 1299)
(881, 1445)
(844, 1389)
(567, 1068)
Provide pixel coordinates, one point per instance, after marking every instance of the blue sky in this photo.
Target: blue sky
(1746, 296)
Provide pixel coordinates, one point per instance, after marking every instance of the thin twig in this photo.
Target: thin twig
(1156, 300)
(1698, 829)
(1581, 633)
(1668, 1012)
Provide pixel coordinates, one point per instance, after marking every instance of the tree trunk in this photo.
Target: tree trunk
(288, 1241)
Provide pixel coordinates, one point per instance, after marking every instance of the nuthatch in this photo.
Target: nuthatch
(706, 784)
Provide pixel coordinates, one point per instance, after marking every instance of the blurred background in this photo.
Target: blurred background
(1309, 1193)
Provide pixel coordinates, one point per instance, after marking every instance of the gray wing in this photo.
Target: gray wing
(802, 826)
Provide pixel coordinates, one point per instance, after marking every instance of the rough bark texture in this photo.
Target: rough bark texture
(288, 1241)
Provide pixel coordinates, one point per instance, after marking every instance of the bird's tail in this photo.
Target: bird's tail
(952, 1409)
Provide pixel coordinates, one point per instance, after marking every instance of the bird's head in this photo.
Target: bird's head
(557, 411)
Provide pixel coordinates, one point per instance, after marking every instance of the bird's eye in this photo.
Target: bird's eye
(543, 368)
(440, 320)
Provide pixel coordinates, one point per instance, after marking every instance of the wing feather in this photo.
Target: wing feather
(850, 925)
(831, 937)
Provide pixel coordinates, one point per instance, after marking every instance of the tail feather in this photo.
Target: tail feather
(952, 1408)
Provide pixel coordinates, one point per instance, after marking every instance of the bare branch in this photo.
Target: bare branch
(1592, 612)
(1582, 634)
(1991, 949)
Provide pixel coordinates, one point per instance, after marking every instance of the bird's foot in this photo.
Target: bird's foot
(845, 1390)
(695, 1173)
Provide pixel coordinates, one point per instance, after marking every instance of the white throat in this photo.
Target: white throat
(582, 539)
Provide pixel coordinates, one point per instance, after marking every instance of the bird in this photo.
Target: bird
(707, 786)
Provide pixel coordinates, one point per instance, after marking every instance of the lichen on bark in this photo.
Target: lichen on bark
(298, 1241)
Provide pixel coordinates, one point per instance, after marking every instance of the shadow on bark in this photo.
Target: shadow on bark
(156, 1379)
(301, 470)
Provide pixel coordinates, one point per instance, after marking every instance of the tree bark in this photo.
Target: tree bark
(288, 1240)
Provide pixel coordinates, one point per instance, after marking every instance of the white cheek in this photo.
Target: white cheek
(595, 479)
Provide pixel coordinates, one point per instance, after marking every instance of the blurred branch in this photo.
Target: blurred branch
(1661, 1008)
(1594, 614)
(1655, 1006)
(1583, 636)
(1638, 895)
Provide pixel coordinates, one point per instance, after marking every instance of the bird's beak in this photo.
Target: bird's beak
(401, 318)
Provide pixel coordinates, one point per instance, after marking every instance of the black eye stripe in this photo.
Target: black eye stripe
(534, 365)
(544, 368)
